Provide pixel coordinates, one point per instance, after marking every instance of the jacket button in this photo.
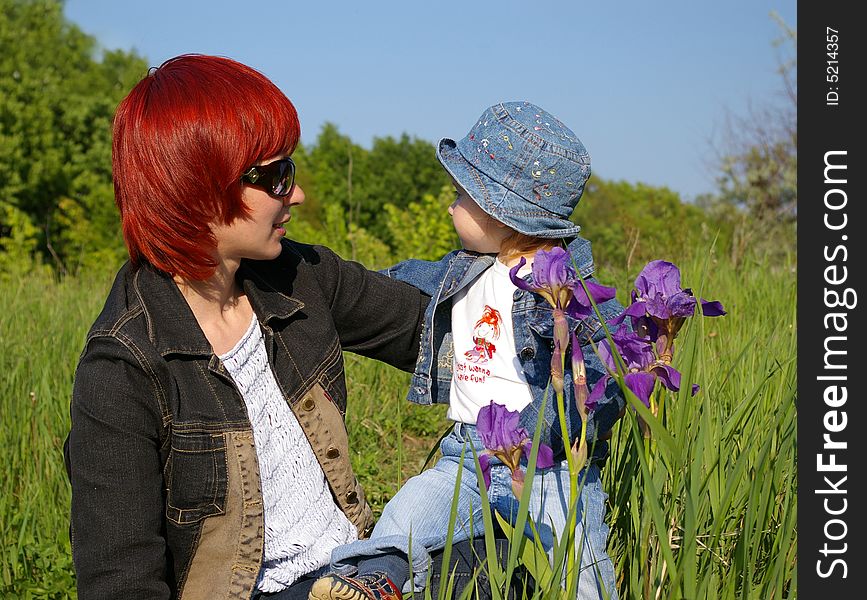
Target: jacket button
(352, 497)
(527, 353)
(332, 452)
(308, 404)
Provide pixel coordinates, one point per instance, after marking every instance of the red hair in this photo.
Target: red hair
(492, 317)
(182, 138)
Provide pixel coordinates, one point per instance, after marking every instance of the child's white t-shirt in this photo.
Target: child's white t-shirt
(485, 365)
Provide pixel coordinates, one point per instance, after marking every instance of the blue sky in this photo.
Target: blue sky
(645, 85)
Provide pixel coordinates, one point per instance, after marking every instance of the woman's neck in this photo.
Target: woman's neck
(220, 306)
(213, 295)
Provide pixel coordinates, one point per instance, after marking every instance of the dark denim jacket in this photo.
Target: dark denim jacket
(165, 483)
(534, 333)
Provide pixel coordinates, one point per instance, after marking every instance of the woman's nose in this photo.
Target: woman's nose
(452, 208)
(296, 196)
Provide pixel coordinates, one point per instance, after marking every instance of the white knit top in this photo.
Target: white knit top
(302, 522)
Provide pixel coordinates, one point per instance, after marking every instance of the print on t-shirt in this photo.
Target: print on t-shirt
(485, 363)
(487, 328)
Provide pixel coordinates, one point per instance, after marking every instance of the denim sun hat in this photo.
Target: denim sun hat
(522, 166)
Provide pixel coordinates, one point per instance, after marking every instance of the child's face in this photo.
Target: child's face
(477, 230)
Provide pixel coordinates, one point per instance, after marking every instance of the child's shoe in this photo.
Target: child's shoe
(370, 586)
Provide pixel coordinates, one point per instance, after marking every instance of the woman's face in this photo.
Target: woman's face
(257, 236)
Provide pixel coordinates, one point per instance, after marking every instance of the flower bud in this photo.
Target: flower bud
(557, 368)
(517, 483)
(579, 454)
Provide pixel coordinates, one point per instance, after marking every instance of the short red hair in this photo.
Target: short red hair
(182, 138)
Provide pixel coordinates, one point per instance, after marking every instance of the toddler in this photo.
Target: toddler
(518, 175)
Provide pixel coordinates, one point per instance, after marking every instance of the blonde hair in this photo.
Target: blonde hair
(517, 244)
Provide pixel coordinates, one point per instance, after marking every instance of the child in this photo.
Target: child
(518, 174)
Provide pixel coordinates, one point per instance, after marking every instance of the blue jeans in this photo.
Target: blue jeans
(420, 511)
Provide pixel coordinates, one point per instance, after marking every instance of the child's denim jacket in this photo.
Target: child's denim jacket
(533, 329)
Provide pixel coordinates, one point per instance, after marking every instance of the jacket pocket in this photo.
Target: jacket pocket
(196, 477)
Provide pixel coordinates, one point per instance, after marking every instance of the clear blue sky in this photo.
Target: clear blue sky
(645, 85)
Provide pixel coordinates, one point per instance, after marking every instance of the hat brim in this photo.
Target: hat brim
(491, 197)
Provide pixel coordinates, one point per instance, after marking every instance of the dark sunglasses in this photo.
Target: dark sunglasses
(277, 178)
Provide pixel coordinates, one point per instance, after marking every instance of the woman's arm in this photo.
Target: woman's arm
(113, 460)
(375, 316)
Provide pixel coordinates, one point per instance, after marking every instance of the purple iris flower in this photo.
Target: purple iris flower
(505, 439)
(660, 306)
(658, 293)
(643, 368)
(554, 278)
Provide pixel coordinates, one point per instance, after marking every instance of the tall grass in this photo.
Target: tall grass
(43, 323)
(705, 507)
(711, 515)
(42, 328)
(714, 515)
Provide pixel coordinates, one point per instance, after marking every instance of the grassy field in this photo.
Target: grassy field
(712, 514)
(707, 512)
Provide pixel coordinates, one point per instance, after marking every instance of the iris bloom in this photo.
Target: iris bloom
(555, 280)
(506, 440)
(660, 306)
(643, 367)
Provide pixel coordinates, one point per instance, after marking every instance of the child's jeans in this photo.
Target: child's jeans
(421, 509)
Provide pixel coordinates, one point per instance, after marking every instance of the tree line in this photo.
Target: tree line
(59, 89)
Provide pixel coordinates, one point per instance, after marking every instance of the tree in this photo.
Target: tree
(57, 99)
(758, 168)
(402, 173)
(398, 172)
(630, 224)
(423, 229)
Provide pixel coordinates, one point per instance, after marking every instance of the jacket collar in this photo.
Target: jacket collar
(467, 265)
(171, 325)
(268, 302)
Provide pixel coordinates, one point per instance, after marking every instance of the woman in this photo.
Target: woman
(208, 454)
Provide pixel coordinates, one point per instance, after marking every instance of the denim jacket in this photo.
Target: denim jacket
(534, 333)
(166, 499)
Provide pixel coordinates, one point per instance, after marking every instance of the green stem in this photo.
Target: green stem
(573, 482)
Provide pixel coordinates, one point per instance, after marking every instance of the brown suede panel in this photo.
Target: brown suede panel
(322, 421)
(229, 552)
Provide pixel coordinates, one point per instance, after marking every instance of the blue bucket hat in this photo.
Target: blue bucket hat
(523, 167)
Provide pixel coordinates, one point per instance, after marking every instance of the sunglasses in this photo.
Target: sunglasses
(277, 178)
